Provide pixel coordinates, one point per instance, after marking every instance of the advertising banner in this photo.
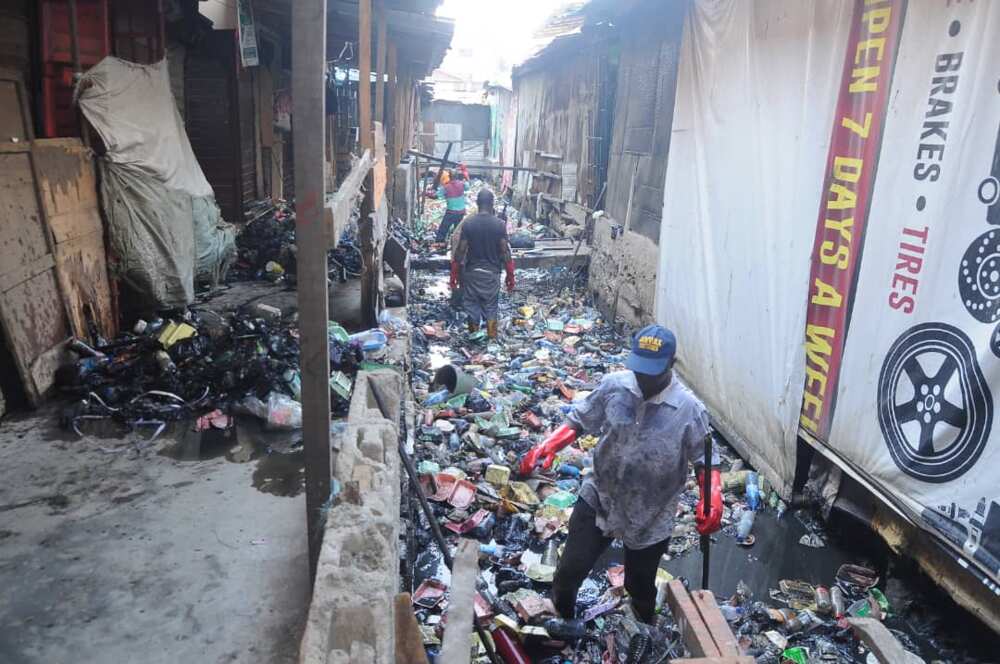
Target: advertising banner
(872, 328)
(915, 402)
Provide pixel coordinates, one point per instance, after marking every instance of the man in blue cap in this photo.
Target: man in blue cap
(650, 427)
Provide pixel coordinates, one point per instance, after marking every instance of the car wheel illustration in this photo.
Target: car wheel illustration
(935, 408)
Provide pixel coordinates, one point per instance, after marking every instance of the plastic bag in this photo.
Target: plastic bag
(283, 412)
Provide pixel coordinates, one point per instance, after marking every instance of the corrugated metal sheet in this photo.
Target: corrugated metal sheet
(474, 118)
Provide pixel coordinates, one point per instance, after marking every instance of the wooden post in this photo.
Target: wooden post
(393, 121)
(308, 70)
(365, 75)
(380, 54)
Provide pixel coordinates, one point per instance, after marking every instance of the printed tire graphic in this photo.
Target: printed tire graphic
(935, 408)
(979, 277)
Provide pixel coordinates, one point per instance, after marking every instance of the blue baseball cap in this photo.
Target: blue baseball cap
(653, 348)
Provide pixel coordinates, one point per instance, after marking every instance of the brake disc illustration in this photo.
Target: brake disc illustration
(935, 408)
(979, 277)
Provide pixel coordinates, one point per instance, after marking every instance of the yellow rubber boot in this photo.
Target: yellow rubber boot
(473, 327)
(491, 329)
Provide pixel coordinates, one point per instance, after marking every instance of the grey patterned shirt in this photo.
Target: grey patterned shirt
(641, 459)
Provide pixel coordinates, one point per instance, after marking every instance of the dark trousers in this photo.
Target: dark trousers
(451, 219)
(585, 545)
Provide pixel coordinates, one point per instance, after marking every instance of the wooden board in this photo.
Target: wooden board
(723, 636)
(32, 312)
(68, 189)
(456, 646)
(693, 630)
(409, 640)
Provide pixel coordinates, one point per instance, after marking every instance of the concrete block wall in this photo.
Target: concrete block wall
(629, 262)
(351, 616)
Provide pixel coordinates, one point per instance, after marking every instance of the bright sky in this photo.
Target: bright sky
(493, 35)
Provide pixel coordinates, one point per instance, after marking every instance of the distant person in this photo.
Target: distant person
(483, 252)
(453, 192)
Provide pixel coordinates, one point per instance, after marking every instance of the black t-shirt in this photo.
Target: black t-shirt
(483, 234)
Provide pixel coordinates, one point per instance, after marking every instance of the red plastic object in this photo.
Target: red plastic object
(508, 647)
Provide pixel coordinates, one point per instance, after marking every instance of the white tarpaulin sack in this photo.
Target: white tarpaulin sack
(165, 227)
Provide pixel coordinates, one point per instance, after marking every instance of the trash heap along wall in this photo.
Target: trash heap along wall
(829, 252)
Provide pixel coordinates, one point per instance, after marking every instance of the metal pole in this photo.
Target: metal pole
(308, 71)
(706, 540)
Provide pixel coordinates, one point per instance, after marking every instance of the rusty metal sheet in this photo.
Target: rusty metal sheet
(68, 190)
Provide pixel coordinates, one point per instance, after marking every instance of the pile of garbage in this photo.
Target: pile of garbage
(484, 404)
(266, 249)
(207, 367)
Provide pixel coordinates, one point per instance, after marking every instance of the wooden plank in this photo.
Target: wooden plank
(68, 188)
(337, 211)
(365, 74)
(409, 640)
(723, 636)
(696, 635)
(456, 646)
(380, 56)
(395, 120)
(547, 253)
(308, 89)
(881, 642)
(379, 173)
(716, 660)
(478, 167)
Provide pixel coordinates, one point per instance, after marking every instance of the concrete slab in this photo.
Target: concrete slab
(130, 556)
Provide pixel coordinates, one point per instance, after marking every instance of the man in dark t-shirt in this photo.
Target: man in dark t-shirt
(483, 251)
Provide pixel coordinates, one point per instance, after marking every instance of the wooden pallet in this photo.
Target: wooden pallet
(705, 631)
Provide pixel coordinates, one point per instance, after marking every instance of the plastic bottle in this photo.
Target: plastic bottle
(437, 397)
(371, 340)
(569, 470)
(837, 602)
(166, 364)
(745, 525)
(824, 603)
(753, 491)
(454, 442)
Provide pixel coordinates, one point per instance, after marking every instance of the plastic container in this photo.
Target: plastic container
(745, 526)
(371, 340)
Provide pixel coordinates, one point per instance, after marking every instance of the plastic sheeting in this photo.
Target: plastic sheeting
(746, 164)
(165, 227)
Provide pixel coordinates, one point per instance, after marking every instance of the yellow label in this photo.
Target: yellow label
(652, 344)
